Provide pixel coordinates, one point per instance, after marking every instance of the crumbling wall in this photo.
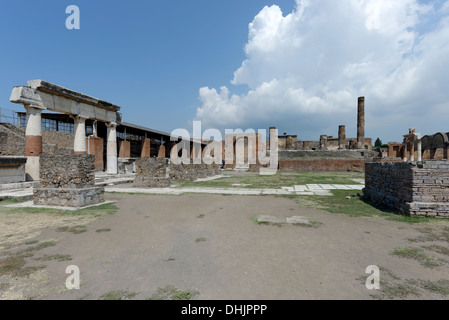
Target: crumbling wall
(409, 188)
(12, 141)
(67, 180)
(151, 173)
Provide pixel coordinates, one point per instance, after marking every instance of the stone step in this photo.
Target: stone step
(19, 195)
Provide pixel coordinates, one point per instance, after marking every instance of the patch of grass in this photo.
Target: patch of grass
(355, 207)
(14, 262)
(389, 273)
(438, 249)
(105, 209)
(85, 296)
(418, 255)
(395, 291)
(103, 230)
(74, 230)
(440, 287)
(58, 257)
(4, 286)
(278, 180)
(200, 240)
(14, 266)
(31, 242)
(118, 295)
(182, 295)
(170, 259)
(172, 293)
(201, 216)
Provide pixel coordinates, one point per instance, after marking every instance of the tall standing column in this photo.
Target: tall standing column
(33, 142)
(111, 152)
(272, 134)
(80, 135)
(361, 123)
(412, 150)
(341, 137)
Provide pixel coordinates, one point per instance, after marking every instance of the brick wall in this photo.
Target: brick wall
(409, 188)
(322, 165)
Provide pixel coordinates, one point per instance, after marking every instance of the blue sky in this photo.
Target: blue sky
(248, 64)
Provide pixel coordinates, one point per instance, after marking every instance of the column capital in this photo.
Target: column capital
(33, 107)
(80, 117)
(111, 124)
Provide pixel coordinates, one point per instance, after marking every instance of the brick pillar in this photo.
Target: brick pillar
(361, 123)
(95, 147)
(342, 137)
(146, 148)
(33, 142)
(125, 149)
(80, 136)
(161, 153)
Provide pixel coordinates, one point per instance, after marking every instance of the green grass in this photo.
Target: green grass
(418, 255)
(14, 263)
(200, 240)
(57, 257)
(277, 180)
(172, 293)
(439, 287)
(395, 291)
(103, 230)
(104, 209)
(118, 295)
(438, 249)
(74, 230)
(354, 206)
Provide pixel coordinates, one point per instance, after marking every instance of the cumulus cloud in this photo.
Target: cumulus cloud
(305, 70)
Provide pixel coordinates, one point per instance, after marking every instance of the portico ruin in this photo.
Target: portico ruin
(40, 95)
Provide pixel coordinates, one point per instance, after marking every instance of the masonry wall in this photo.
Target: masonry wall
(151, 173)
(67, 180)
(410, 188)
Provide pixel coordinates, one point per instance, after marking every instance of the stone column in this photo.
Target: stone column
(33, 142)
(412, 150)
(361, 123)
(272, 134)
(404, 151)
(80, 136)
(419, 150)
(342, 137)
(323, 142)
(111, 152)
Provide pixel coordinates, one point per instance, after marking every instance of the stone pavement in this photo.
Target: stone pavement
(308, 189)
(25, 194)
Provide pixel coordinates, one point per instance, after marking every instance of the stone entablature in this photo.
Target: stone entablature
(411, 188)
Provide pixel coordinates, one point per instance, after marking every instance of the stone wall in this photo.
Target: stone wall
(151, 173)
(67, 180)
(12, 141)
(409, 188)
(157, 172)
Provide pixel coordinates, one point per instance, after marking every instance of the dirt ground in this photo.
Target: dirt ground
(210, 247)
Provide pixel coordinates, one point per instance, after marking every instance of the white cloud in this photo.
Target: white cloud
(316, 61)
